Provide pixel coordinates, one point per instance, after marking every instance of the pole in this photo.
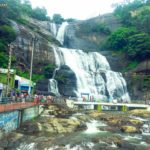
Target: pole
(31, 63)
(9, 67)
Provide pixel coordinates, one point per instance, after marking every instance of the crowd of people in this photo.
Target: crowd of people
(43, 99)
(25, 97)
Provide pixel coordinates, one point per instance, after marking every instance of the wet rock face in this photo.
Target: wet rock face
(67, 82)
(42, 86)
(26, 41)
(79, 35)
(72, 41)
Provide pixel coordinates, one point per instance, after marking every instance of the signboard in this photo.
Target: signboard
(5, 71)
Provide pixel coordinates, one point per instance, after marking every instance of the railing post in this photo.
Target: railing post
(99, 108)
(124, 108)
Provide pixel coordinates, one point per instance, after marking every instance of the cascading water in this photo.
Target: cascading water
(53, 85)
(61, 32)
(92, 70)
(53, 28)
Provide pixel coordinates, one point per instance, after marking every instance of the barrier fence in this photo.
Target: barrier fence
(16, 106)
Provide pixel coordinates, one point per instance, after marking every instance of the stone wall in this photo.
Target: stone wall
(12, 120)
(30, 113)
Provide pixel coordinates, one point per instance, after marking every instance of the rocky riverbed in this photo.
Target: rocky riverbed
(60, 128)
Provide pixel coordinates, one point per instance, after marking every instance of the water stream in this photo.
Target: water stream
(93, 138)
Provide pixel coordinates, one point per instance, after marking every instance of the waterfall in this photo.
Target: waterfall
(53, 85)
(93, 73)
(146, 128)
(92, 127)
(53, 29)
(61, 32)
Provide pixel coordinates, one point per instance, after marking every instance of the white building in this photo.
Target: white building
(23, 84)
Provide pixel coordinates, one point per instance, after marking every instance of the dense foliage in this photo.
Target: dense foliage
(134, 37)
(57, 18)
(15, 10)
(48, 71)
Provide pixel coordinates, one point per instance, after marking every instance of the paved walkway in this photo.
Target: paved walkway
(15, 106)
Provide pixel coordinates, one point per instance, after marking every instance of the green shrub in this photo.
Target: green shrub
(48, 71)
(139, 46)
(146, 83)
(7, 33)
(26, 74)
(2, 46)
(22, 21)
(131, 65)
(118, 40)
(3, 60)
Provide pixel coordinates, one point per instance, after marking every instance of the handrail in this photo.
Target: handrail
(16, 106)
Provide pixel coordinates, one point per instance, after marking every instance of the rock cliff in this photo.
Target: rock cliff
(34, 36)
(41, 36)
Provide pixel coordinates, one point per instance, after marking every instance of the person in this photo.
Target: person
(13, 93)
(92, 98)
(110, 99)
(84, 99)
(22, 97)
(49, 99)
(1, 88)
(36, 99)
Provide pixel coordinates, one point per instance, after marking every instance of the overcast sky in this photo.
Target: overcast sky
(78, 9)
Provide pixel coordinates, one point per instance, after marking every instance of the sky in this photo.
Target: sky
(77, 9)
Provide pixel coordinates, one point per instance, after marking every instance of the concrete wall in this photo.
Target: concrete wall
(10, 121)
(30, 113)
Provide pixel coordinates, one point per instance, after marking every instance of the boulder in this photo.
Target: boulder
(73, 122)
(95, 114)
(136, 122)
(114, 122)
(129, 129)
(67, 82)
(141, 113)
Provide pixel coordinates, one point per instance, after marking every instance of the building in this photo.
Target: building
(24, 85)
(4, 80)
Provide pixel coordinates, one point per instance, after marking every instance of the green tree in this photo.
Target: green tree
(3, 60)
(57, 18)
(48, 71)
(142, 19)
(40, 14)
(124, 11)
(118, 40)
(139, 46)
(26, 7)
(13, 10)
(7, 33)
